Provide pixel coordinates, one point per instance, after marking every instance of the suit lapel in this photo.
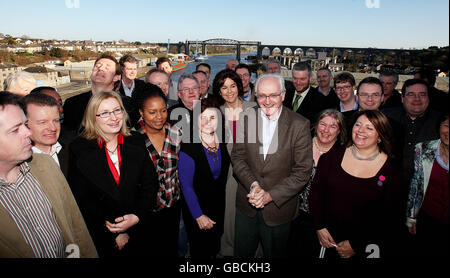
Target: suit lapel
(97, 171)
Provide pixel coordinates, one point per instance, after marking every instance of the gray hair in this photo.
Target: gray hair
(272, 60)
(279, 78)
(14, 78)
(389, 73)
(187, 76)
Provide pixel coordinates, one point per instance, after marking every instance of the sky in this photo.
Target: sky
(339, 23)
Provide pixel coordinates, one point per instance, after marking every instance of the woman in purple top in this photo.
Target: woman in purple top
(357, 196)
(203, 169)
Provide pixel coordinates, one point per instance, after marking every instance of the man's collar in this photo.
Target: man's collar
(304, 93)
(55, 148)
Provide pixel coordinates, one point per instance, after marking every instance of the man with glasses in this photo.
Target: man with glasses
(416, 118)
(245, 74)
(391, 98)
(272, 159)
(188, 93)
(345, 85)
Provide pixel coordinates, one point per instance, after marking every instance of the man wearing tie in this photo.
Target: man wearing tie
(304, 99)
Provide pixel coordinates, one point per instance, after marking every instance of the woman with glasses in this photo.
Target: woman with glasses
(228, 88)
(112, 179)
(203, 169)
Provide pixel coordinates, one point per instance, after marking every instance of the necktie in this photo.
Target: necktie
(296, 102)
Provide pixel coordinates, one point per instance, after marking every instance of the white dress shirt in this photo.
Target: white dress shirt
(56, 148)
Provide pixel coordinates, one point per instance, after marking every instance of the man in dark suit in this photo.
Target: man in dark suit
(304, 99)
(105, 74)
(243, 70)
(324, 77)
(438, 99)
(272, 163)
(129, 85)
(417, 119)
(43, 121)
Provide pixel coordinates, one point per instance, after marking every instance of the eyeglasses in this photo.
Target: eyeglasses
(413, 95)
(244, 75)
(364, 95)
(117, 112)
(188, 90)
(343, 88)
(271, 97)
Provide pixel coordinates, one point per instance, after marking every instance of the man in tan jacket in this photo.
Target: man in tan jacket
(38, 214)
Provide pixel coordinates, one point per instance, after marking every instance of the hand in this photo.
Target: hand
(258, 197)
(345, 250)
(121, 240)
(412, 228)
(325, 239)
(122, 223)
(204, 222)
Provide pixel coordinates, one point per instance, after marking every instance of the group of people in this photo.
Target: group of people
(225, 168)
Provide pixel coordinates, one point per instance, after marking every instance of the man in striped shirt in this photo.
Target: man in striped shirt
(38, 214)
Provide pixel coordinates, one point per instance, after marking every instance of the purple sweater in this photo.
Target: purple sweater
(186, 169)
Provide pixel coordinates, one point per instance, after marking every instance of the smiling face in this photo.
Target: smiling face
(370, 96)
(323, 78)
(364, 134)
(167, 67)
(345, 91)
(245, 76)
(154, 113)
(43, 121)
(270, 97)
(188, 92)
(300, 79)
(15, 141)
(416, 100)
(204, 83)
(229, 91)
(208, 121)
(111, 125)
(327, 130)
(129, 70)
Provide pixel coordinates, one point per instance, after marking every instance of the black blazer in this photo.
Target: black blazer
(100, 199)
(74, 110)
(313, 103)
(139, 85)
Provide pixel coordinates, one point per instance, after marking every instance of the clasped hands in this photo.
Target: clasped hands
(258, 197)
(343, 248)
(120, 225)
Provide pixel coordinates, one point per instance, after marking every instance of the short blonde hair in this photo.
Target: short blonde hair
(91, 129)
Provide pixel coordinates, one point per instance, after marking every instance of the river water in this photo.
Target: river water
(217, 64)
